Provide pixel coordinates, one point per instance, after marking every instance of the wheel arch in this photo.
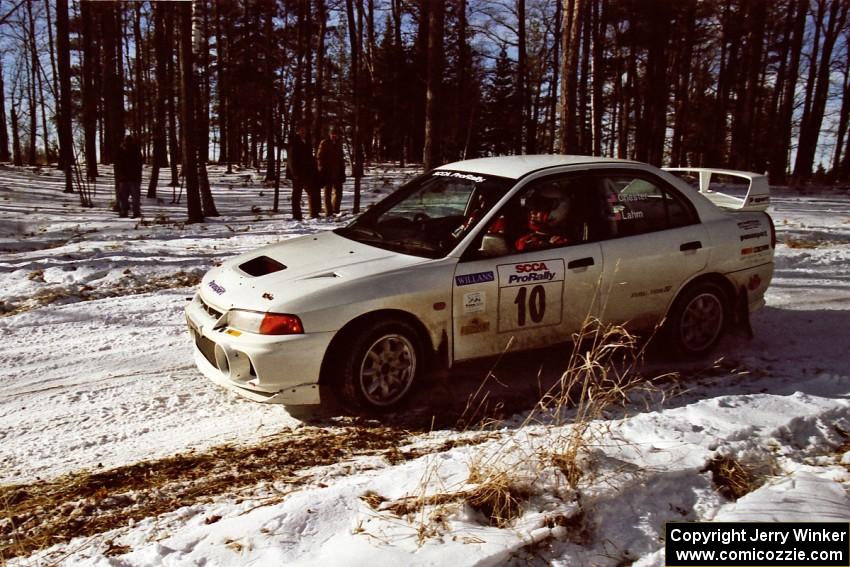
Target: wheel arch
(362, 321)
(718, 279)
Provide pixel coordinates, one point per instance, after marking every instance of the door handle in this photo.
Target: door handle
(580, 263)
(695, 245)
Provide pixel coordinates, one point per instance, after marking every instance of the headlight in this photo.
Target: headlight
(264, 323)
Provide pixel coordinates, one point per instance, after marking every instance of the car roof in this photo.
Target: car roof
(518, 166)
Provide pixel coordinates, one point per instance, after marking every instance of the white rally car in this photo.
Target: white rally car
(474, 254)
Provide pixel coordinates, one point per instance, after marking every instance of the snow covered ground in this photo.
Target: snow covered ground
(96, 375)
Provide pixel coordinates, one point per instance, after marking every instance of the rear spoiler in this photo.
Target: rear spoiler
(758, 192)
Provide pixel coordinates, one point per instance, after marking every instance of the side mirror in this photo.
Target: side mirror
(493, 245)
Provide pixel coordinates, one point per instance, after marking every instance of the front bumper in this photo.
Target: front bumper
(271, 369)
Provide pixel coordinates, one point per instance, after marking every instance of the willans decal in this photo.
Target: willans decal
(471, 279)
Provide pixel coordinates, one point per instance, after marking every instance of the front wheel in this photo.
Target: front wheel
(697, 319)
(382, 365)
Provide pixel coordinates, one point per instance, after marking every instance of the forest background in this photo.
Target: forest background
(747, 84)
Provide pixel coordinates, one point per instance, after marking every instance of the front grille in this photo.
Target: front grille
(207, 348)
(214, 313)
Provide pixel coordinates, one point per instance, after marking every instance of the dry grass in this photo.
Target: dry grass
(801, 243)
(43, 514)
(731, 478)
(601, 375)
(499, 497)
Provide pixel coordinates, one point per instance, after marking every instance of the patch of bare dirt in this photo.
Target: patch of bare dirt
(42, 514)
(128, 285)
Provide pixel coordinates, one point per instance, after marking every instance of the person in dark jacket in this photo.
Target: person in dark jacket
(301, 168)
(128, 174)
(332, 171)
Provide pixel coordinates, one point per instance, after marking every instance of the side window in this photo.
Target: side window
(549, 213)
(637, 205)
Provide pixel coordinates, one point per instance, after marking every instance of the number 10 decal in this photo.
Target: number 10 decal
(536, 304)
(530, 294)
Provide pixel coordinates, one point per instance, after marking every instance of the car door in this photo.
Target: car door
(519, 299)
(654, 243)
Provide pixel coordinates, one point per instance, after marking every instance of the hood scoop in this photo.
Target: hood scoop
(325, 275)
(261, 266)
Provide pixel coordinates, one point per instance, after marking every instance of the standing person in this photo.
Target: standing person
(332, 171)
(128, 171)
(301, 168)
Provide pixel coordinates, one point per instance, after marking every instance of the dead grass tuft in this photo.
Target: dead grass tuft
(801, 243)
(500, 498)
(373, 499)
(731, 478)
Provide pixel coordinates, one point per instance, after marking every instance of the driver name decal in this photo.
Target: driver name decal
(471, 279)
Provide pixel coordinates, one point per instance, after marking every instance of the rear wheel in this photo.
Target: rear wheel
(382, 365)
(697, 319)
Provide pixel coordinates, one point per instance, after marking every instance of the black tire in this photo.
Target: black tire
(383, 362)
(697, 320)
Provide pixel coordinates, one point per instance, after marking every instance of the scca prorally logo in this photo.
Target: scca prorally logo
(216, 288)
(531, 272)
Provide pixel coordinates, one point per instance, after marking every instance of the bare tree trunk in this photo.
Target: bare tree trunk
(66, 139)
(222, 53)
(583, 94)
(716, 153)
(782, 140)
(113, 95)
(4, 132)
(357, 149)
(38, 86)
(161, 52)
(597, 44)
(742, 129)
(174, 148)
(431, 155)
(810, 131)
(398, 60)
(32, 70)
(200, 68)
(52, 53)
(319, 116)
(187, 111)
(270, 94)
(844, 116)
(139, 94)
(685, 55)
(571, 24)
(521, 108)
(54, 74)
(307, 120)
(556, 66)
(465, 106)
(90, 92)
(649, 138)
(17, 152)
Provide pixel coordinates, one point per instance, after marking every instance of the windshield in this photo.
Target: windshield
(430, 215)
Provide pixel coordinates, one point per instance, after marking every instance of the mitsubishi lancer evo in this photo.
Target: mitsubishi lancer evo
(480, 254)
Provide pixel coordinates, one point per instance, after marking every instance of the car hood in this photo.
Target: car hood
(267, 278)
